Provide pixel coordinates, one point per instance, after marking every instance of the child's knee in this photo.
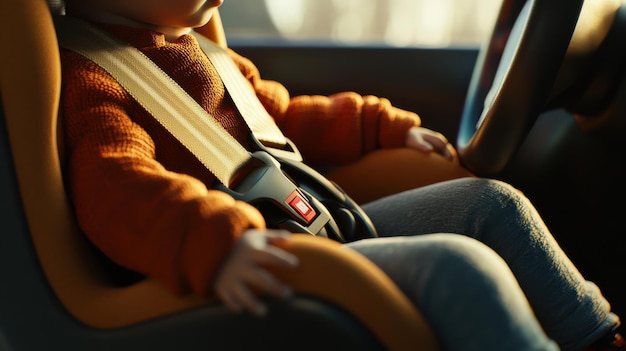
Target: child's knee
(492, 188)
(464, 262)
(461, 250)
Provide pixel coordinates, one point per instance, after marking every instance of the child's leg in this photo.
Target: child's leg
(465, 291)
(572, 311)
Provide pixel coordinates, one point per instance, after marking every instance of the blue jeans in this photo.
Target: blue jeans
(503, 284)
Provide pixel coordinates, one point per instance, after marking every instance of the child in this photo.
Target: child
(498, 281)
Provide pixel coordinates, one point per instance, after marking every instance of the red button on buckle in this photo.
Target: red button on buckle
(301, 206)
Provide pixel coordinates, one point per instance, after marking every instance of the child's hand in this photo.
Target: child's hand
(427, 140)
(243, 273)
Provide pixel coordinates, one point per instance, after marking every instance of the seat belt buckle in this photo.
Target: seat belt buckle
(283, 204)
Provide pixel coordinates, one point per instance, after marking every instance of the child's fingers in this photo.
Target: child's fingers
(262, 252)
(266, 283)
(237, 296)
(243, 296)
(273, 256)
(440, 144)
(276, 235)
(244, 274)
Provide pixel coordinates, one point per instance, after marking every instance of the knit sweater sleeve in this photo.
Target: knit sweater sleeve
(166, 225)
(351, 125)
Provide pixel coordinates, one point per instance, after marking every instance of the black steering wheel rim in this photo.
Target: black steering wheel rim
(534, 36)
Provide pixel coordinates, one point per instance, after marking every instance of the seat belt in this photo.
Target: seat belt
(262, 125)
(255, 177)
(265, 133)
(153, 89)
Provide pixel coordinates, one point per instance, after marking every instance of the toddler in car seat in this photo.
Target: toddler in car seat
(472, 254)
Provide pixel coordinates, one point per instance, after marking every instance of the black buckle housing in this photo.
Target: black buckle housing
(271, 182)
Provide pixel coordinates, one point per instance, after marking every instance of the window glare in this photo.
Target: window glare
(435, 23)
(287, 16)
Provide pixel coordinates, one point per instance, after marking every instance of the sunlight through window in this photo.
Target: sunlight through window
(391, 22)
(287, 16)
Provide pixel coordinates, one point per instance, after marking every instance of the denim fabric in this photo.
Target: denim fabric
(512, 288)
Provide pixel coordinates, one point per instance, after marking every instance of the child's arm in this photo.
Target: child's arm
(343, 127)
(163, 224)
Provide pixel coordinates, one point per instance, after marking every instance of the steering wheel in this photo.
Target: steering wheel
(512, 79)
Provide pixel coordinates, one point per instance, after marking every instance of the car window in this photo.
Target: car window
(405, 23)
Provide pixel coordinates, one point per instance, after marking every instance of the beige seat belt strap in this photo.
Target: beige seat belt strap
(163, 98)
(259, 121)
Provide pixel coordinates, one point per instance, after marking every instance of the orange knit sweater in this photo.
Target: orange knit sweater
(145, 201)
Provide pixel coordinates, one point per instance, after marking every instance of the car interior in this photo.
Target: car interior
(553, 125)
(540, 105)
